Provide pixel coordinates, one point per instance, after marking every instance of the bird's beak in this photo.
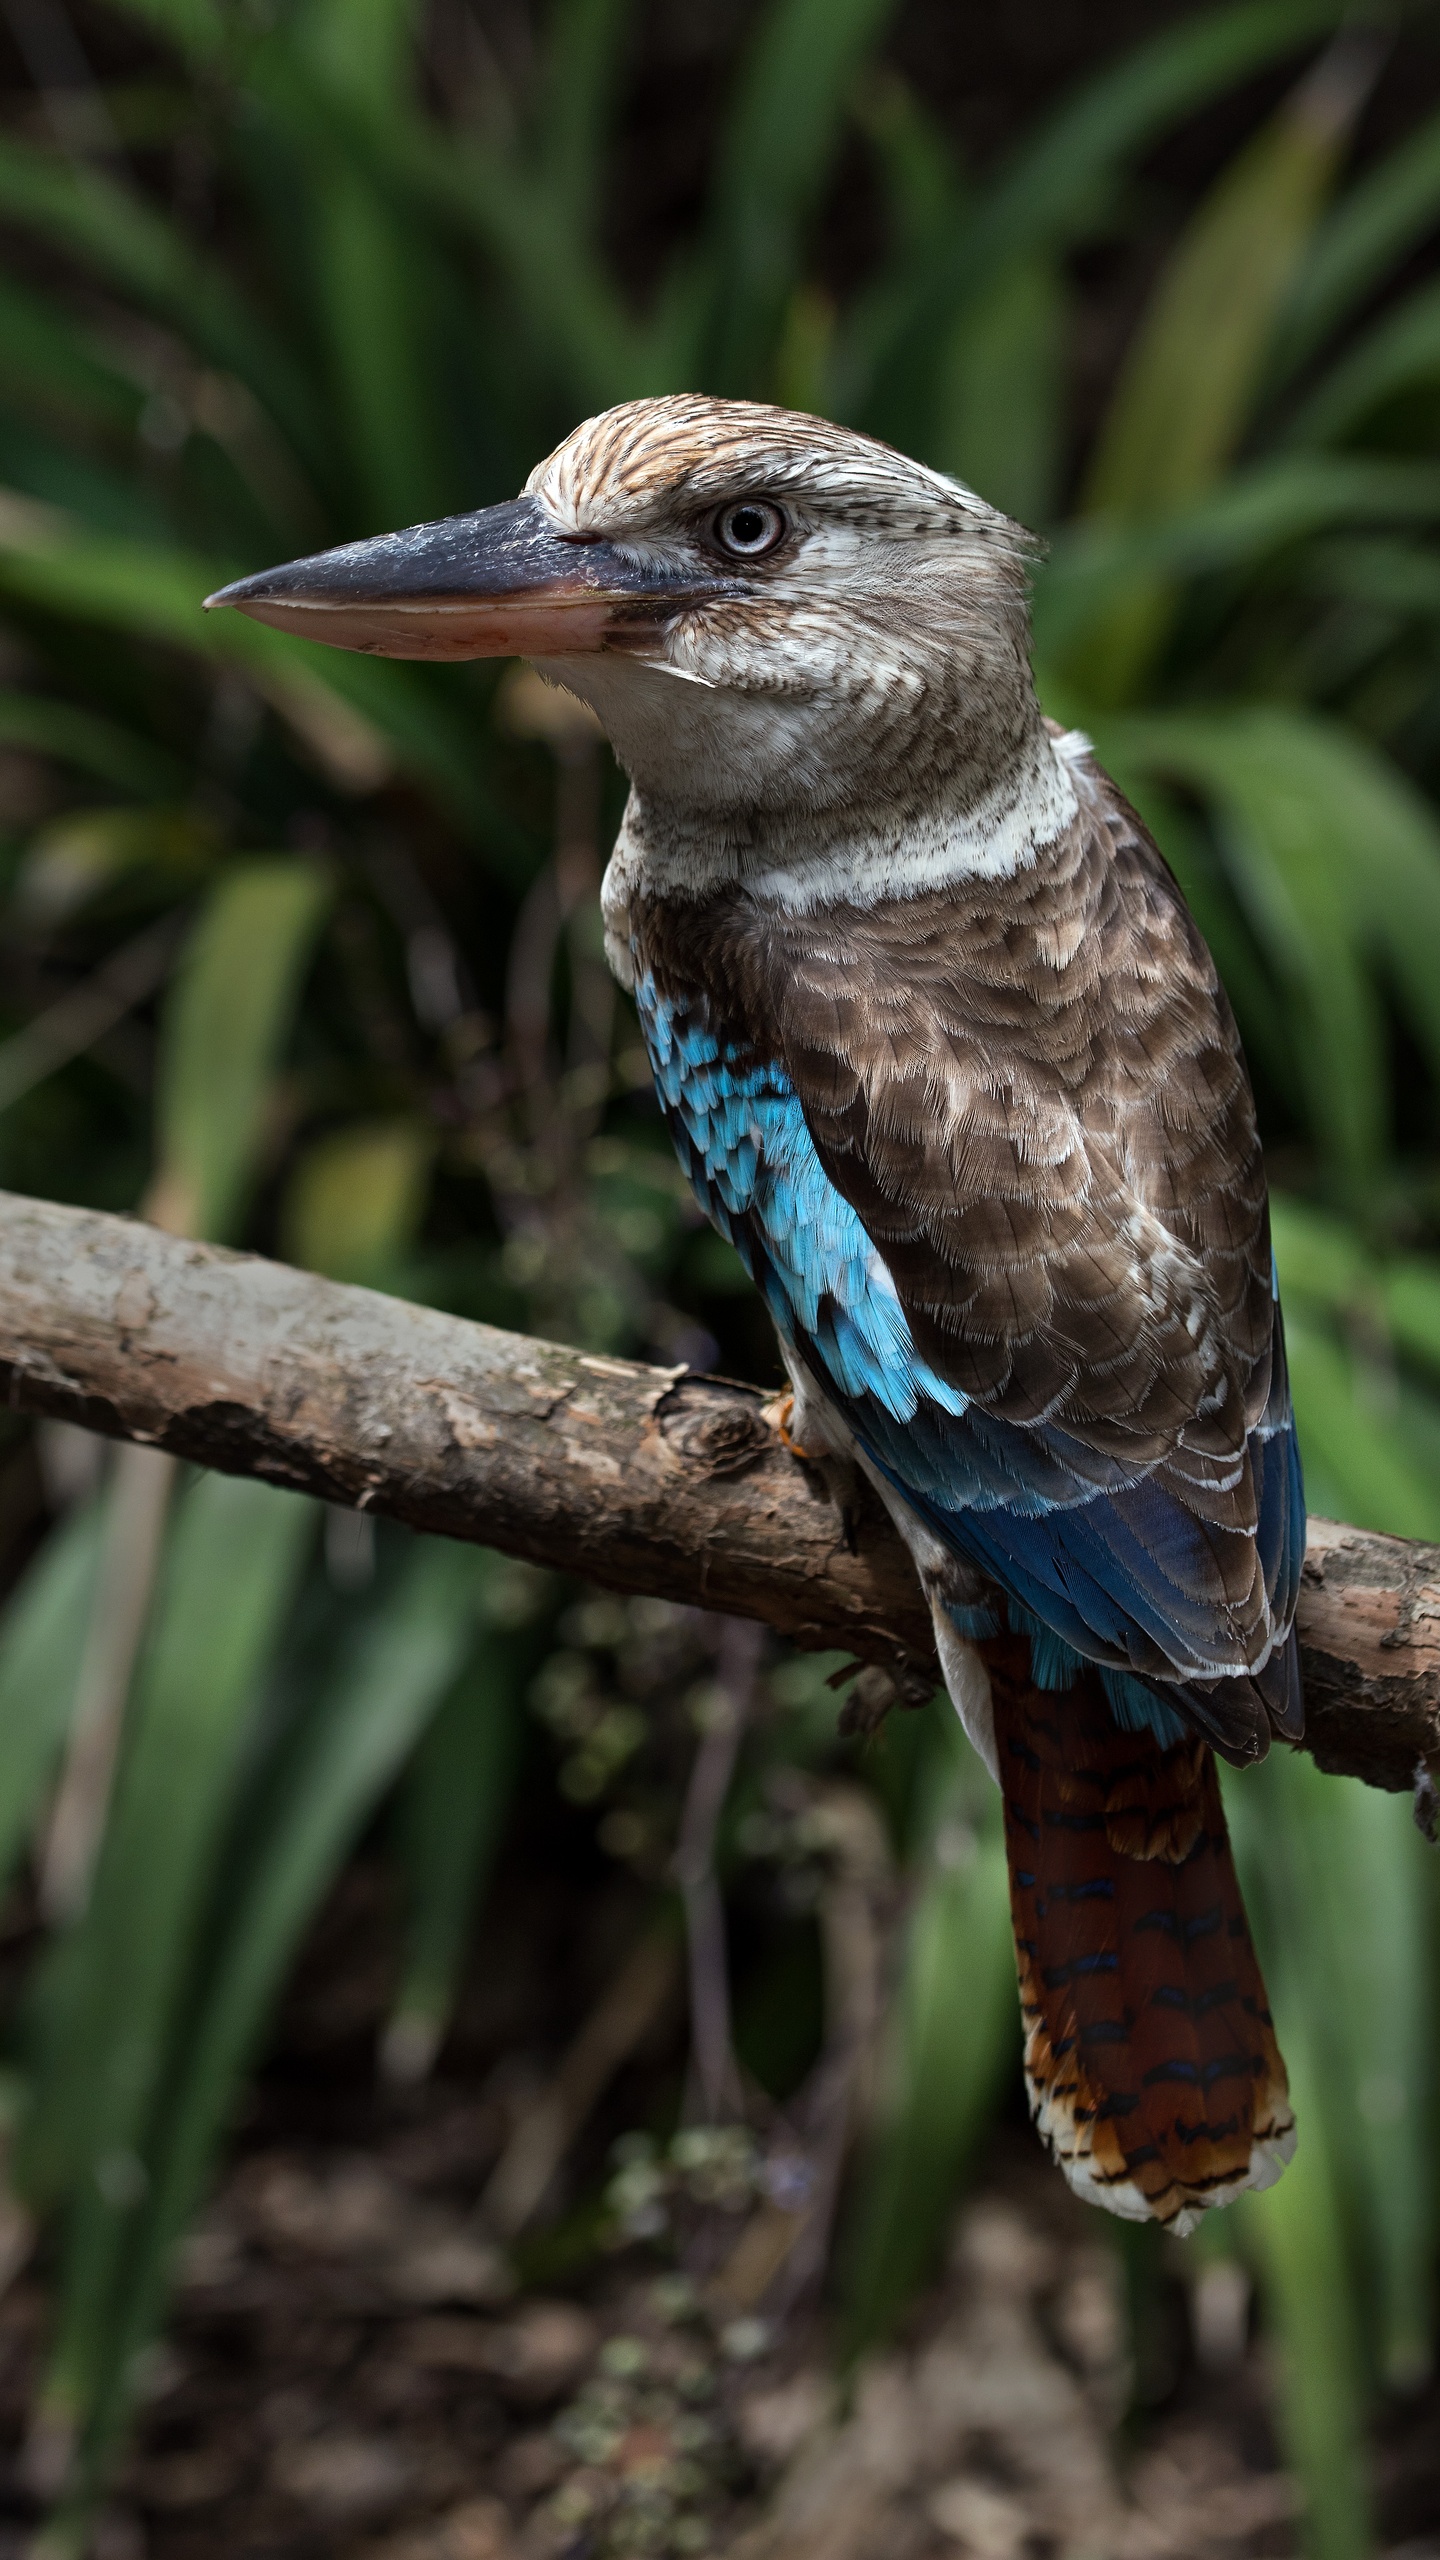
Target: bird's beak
(502, 583)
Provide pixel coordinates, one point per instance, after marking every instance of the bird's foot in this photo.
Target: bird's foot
(873, 1689)
(782, 1414)
(839, 1475)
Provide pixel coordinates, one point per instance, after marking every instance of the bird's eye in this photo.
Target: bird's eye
(749, 528)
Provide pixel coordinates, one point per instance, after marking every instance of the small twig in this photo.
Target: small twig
(139, 1499)
(67, 1028)
(624, 2014)
(569, 883)
(783, 2248)
(74, 103)
(835, 2103)
(715, 2092)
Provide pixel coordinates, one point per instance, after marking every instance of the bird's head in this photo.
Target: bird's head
(767, 612)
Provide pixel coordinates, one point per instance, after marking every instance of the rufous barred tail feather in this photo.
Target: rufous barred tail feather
(1150, 2053)
(945, 1057)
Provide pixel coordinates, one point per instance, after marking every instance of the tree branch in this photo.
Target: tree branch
(644, 1479)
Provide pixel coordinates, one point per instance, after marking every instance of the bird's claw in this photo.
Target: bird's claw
(875, 1687)
(781, 1414)
(837, 1474)
(1427, 1801)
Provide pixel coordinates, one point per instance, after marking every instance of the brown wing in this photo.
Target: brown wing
(1032, 1093)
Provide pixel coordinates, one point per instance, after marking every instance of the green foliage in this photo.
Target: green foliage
(356, 1198)
(114, 1986)
(41, 1645)
(288, 1812)
(451, 1818)
(776, 155)
(1187, 386)
(1301, 2258)
(233, 995)
(1344, 2246)
(1295, 799)
(401, 302)
(951, 2035)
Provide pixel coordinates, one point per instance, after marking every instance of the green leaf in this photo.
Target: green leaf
(363, 49)
(1400, 350)
(925, 197)
(87, 852)
(42, 1643)
(1409, 1293)
(1186, 389)
(117, 1986)
(1297, 898)
(356, 1198)
(199, 28)
(1000, 402)
(1384, 215)
(1337, 859)
(777, 148)
(1396, 578)
(227, 1581)
(1358, 1463)
(48, 362)
(367, 276)
(228, 1016)
(114, 232)
(1373, 1998)
(561, 298)
(584, 58)
(1335, 1877)
(804, 353)
(876, 355)
(371, 268)
(1390, 1301)
(1098, 566)
(1370, 1438)
(1320, 1257)
(345, 1749)
(452, 1810)
(88, 743)
(1059, 186)
(343, 705)
(1059, 178)
(951, 2037)
(1295, 2233)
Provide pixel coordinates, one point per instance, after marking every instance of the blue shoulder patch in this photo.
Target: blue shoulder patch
(755, 1172)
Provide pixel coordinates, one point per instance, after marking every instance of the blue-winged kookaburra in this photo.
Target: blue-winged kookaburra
(945, 1057)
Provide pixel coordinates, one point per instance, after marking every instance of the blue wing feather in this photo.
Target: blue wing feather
(1100, 1561)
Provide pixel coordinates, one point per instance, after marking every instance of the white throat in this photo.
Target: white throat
(664, 852)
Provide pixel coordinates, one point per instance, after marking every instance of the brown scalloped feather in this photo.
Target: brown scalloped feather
(1150, 2052)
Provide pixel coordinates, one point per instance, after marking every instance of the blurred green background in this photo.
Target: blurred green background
(302, 951)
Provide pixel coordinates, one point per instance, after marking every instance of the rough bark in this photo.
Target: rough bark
(644, 1479)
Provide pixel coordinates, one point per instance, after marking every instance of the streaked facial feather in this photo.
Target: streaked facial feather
(865, 688)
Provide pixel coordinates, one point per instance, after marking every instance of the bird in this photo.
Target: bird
(946, 1059)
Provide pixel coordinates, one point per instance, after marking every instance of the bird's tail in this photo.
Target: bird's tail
(1150, 2054)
